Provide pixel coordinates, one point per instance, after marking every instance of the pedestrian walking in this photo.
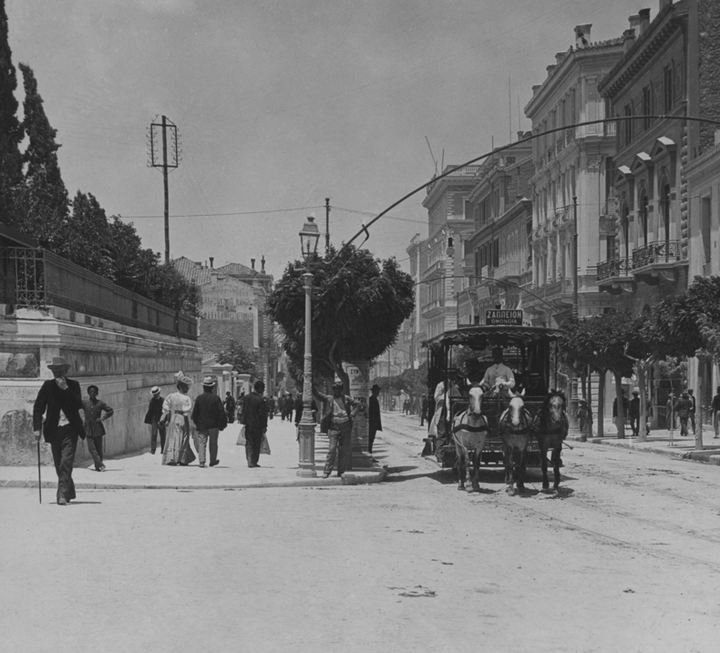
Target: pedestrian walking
(239, 404)
(423, 409)
(94, 429)
(682, 408)
(229, 407)
(670, 411)
(626, 408)
(176, 413)
(716, 411)
(634, 413)
(59, 400)
(255, 419)
(153, 417)
(586, 418)
(374, 419)
(693, 408)
(271, 406)
(338, 413)
(210, 417)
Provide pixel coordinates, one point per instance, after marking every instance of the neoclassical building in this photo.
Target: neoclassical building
(571, 174)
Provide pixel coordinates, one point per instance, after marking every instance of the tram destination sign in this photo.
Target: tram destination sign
(499, 317)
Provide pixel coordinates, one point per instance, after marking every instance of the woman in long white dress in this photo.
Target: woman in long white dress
(176, 411)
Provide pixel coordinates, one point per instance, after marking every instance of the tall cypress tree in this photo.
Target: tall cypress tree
(11, 175)
(44, 198)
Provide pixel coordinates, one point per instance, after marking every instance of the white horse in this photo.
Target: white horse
(470, 430)
(516, 428)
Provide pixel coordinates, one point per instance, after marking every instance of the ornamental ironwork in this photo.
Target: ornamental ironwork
(665, 251)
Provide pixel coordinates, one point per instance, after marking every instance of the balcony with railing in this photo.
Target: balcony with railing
(436, 269)
(658, 261)
(507, 271)
(36, 278)
(433, 308)
(615, 276)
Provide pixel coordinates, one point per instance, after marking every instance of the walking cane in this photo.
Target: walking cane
(39, 477)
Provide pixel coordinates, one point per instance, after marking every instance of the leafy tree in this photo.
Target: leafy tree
(242, 360)
(44, 198)
(601, 341)
(359, 304)
(11, 133)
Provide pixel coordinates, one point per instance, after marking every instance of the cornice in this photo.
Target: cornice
(658, 33)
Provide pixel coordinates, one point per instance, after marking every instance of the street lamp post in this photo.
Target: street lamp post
(309, 237)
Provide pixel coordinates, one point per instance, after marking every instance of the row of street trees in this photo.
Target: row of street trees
(617, 342)
(34, 199)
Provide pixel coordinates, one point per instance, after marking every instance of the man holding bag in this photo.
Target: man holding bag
(338, 413)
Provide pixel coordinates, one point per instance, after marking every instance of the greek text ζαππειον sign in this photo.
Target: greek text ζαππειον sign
(495, 316)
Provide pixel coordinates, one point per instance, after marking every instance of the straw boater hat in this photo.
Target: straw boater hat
(58, 363)
(209, 381)
(155, 390)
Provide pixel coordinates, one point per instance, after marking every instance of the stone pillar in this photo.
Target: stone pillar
(359, 377)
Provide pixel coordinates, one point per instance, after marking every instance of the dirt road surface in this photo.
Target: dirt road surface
(625, 558)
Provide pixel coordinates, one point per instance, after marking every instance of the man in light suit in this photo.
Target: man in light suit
(62, 399)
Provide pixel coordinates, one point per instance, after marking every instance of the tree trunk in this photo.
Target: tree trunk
(620, 408)
(601, 404)
(642, 429)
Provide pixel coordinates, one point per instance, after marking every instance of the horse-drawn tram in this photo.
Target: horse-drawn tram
(478, 374)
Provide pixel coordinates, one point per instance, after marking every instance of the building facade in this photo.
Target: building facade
(496, 261)
(570, 184)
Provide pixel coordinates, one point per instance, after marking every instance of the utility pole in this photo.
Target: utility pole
(576, 309)
(159, 159)
(327, 226)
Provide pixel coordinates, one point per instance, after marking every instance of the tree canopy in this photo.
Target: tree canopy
(358, 306)
(34, 199)
(242, 360)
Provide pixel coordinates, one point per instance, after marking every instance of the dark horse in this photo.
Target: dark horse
(551, 425)
(469, 433)
(516, 428)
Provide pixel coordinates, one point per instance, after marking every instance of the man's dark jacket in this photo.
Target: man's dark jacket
(154, 411)
(254, 413)
(208, 412)
(52, 398)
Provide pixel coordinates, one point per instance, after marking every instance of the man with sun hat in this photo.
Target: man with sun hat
(60, 401)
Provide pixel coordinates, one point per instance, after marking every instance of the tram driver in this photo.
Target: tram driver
(499, 379)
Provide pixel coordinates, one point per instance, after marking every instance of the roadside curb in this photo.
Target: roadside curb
(349, 478)
(711, 456)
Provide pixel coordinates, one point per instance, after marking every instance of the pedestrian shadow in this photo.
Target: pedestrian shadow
(441, 476)
(83, 503)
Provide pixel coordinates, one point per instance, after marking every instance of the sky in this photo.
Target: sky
(282, 104)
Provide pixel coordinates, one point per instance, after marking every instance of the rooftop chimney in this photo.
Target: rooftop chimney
(211, 262)
(262, 264)
(559, 57)
(629, 39)
(252, 263)
(644, 19)
(582, 35)
(635, 23)
(550, 69)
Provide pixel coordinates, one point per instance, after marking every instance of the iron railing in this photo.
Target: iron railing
(615, 267)
(36, 278)
(660, 251)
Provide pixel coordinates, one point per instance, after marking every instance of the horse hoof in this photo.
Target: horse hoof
(470, 490)
(476, 488)
(510, 490)
(461, 488)
(546, 486)
(556, 487)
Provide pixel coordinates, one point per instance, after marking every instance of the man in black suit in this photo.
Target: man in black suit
(62, 399)
(255, 419)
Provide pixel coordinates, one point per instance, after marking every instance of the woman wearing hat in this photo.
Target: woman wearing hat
(176, 413)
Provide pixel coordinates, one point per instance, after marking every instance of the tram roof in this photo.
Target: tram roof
(494, 334)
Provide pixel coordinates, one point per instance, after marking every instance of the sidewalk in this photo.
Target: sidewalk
(662, 442)
(144, 471)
